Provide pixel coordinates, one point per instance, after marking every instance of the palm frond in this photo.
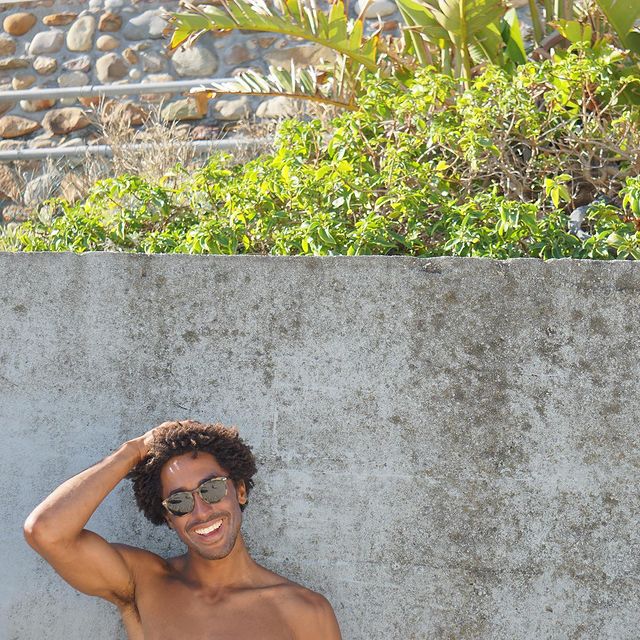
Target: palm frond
(298, 83)
(296, 18)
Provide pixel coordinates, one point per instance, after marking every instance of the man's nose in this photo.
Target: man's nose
(200, 505)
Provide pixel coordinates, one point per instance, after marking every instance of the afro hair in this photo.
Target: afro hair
(175, 438)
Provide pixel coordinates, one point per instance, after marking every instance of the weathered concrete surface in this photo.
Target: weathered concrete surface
(449, 448)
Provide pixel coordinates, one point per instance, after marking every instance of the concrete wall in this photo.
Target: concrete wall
(449, 448)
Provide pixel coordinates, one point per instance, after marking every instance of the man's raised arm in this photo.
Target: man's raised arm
(55, 528)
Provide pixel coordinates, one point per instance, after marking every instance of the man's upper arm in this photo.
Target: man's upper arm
(94, 566)
(327, 620)
(317, 619)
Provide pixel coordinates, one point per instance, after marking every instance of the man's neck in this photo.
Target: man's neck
(235, 570)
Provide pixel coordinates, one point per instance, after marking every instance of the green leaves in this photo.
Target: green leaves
(461, 23)
(186, 26)
(454, 20)
(420, 18)
(574, 31)
(463, 19)
(426, 170)
(512, 37)
(297, 18)
(631, 196)
(556, 188)
(633, 41)
(454, 36)
(303, 84)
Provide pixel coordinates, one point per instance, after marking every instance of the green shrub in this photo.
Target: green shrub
(492, 171)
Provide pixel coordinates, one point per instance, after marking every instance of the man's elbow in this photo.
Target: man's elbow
(32, 530)
(38, 533)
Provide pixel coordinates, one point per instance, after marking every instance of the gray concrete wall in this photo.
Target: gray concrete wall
(449, 448)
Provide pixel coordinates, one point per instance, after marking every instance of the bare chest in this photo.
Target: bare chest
(171, 610)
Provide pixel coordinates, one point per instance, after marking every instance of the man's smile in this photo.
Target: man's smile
(209, 530)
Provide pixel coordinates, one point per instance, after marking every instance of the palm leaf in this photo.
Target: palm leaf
(512, 36)
(622, 14)
(462, 19)
(471, 26)
(487, 44)
(419, 15)
(297, 83)
(294, 18)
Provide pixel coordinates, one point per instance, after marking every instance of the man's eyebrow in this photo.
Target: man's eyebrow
(180, 489)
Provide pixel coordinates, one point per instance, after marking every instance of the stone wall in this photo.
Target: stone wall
(46, 44)
(71, 43)
(448, 448)
(75, 43)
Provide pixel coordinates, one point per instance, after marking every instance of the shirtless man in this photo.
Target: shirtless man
(196, 478)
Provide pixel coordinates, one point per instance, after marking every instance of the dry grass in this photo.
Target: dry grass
(149, 151)
(163, 145)
(262, 132)
(142, 143)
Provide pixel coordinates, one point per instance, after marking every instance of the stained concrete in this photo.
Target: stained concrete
(448, 448)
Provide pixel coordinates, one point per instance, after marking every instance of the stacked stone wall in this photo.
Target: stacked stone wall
(49, 44)
(46, 44)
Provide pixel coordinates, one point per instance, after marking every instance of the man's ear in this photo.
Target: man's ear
(241, 492)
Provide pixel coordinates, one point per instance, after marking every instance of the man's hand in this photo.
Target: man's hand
(144, 443)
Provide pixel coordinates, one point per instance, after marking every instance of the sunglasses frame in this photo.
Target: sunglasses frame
(193, 498)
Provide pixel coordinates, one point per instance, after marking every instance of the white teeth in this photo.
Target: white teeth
(213, 527)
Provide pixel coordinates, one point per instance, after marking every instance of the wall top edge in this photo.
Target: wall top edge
(424, 262)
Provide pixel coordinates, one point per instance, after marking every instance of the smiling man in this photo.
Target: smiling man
(196, 478)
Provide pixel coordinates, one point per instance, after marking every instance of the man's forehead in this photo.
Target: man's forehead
(188, 470)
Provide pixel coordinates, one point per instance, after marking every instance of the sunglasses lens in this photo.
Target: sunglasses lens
(213, 490)
(180, 503)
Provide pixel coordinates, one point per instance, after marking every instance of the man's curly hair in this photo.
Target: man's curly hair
(172, 439)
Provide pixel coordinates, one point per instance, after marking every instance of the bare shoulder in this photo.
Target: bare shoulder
(309, 613)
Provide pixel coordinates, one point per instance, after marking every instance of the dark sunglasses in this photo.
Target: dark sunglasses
(183, 502)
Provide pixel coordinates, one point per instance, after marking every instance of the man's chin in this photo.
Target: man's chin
(213, 554)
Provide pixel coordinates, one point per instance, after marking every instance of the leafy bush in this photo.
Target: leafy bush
(492, 171)
(454, 36)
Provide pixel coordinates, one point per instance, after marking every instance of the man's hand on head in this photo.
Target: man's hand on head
(145, 441)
